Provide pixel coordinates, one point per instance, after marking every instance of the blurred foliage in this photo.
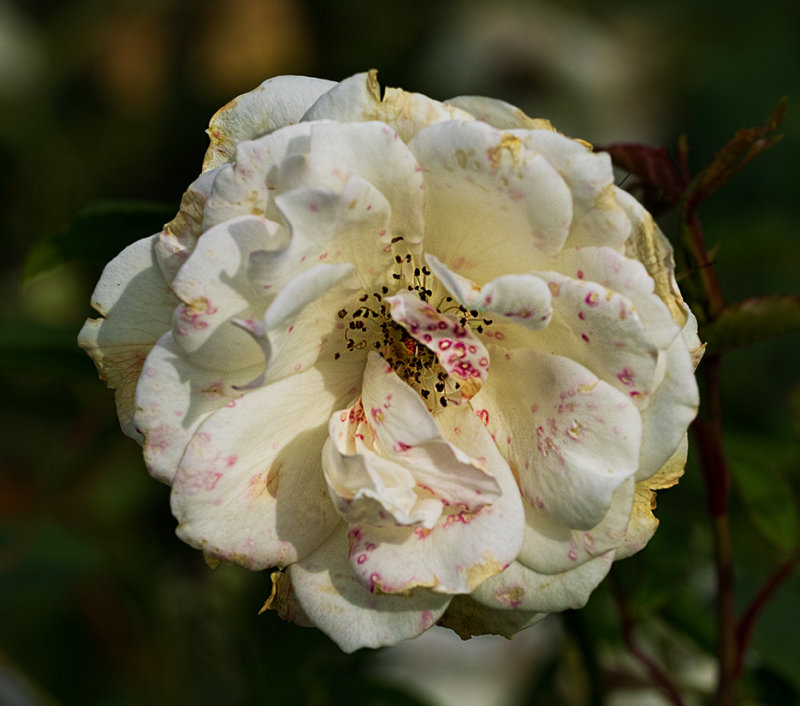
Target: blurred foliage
(105, 101)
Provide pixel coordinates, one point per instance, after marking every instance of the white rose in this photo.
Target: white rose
(423, 358)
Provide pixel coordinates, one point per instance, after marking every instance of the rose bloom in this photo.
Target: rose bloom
(423, 360)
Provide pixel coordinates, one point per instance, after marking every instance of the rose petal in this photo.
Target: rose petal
(570, 438)
(275, 103)
(672, 408)
(136, 303)
(466, 617)
(250, 488)
(353, 225)
(462, 354)
(173, 398)
(597, 218)
(626, 277)
(498, 113)
(525, 299)
(467, 544)
(643, 523)
(358, 99)
(386, 445)
(551, 548)
(601, 330)
(248, 186)
(375, 153)
(493, 207)
(214, 288)
(177, 240)
(520, 588)
(348, 613)
(648, 245)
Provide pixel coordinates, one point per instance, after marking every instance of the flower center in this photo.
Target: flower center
(370, 326)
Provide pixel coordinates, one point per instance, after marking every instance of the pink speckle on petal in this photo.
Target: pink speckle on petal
(232, 459)
(313, 207)
(585, 337)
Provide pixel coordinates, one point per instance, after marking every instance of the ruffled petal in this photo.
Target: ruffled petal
(350, 614)
(597, 218)
(570, 438)
(552, 548)
(250, 487)
(520, 588)
(672, 408)
(248, 185)
(375, 153)
(525, 299)
(137, 304)
(498, 113)
(328, 226)
(624, 276)
(493, 207)
(648, 245)
(177, 240)
(358, 99)
(173, 398)
(460, 352)
(214, 288)
(388, 462)
(277, 102)
(601, 330)
(468, 543)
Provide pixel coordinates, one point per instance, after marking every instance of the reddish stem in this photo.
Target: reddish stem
(657, 675)
(747, 624)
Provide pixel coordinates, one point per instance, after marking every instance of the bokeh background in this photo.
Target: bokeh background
(108, 99)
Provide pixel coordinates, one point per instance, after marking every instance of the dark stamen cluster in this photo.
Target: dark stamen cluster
(371, 325)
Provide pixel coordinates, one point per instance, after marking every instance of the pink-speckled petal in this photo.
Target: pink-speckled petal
(352, 616)
(466, 545)
(601, 329)
(524, 299)
(520, 588)
(550, 548)
(626, 277)
(250, 487)
(459, 351)
(388, 463)
(493, 206)
(358, 99)
(571, 438)
(327, 226)
(214, 288)
(597, 220)
(173, 398)
(372, 151)
(277, 102)
(247, 187)
(672, 407)
(136, 304)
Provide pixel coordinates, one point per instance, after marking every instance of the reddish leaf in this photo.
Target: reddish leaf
(735, 154)
(657, 177)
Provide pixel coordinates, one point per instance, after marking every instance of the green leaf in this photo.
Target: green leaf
(97, 233)
(769, 501)
(751, 321)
